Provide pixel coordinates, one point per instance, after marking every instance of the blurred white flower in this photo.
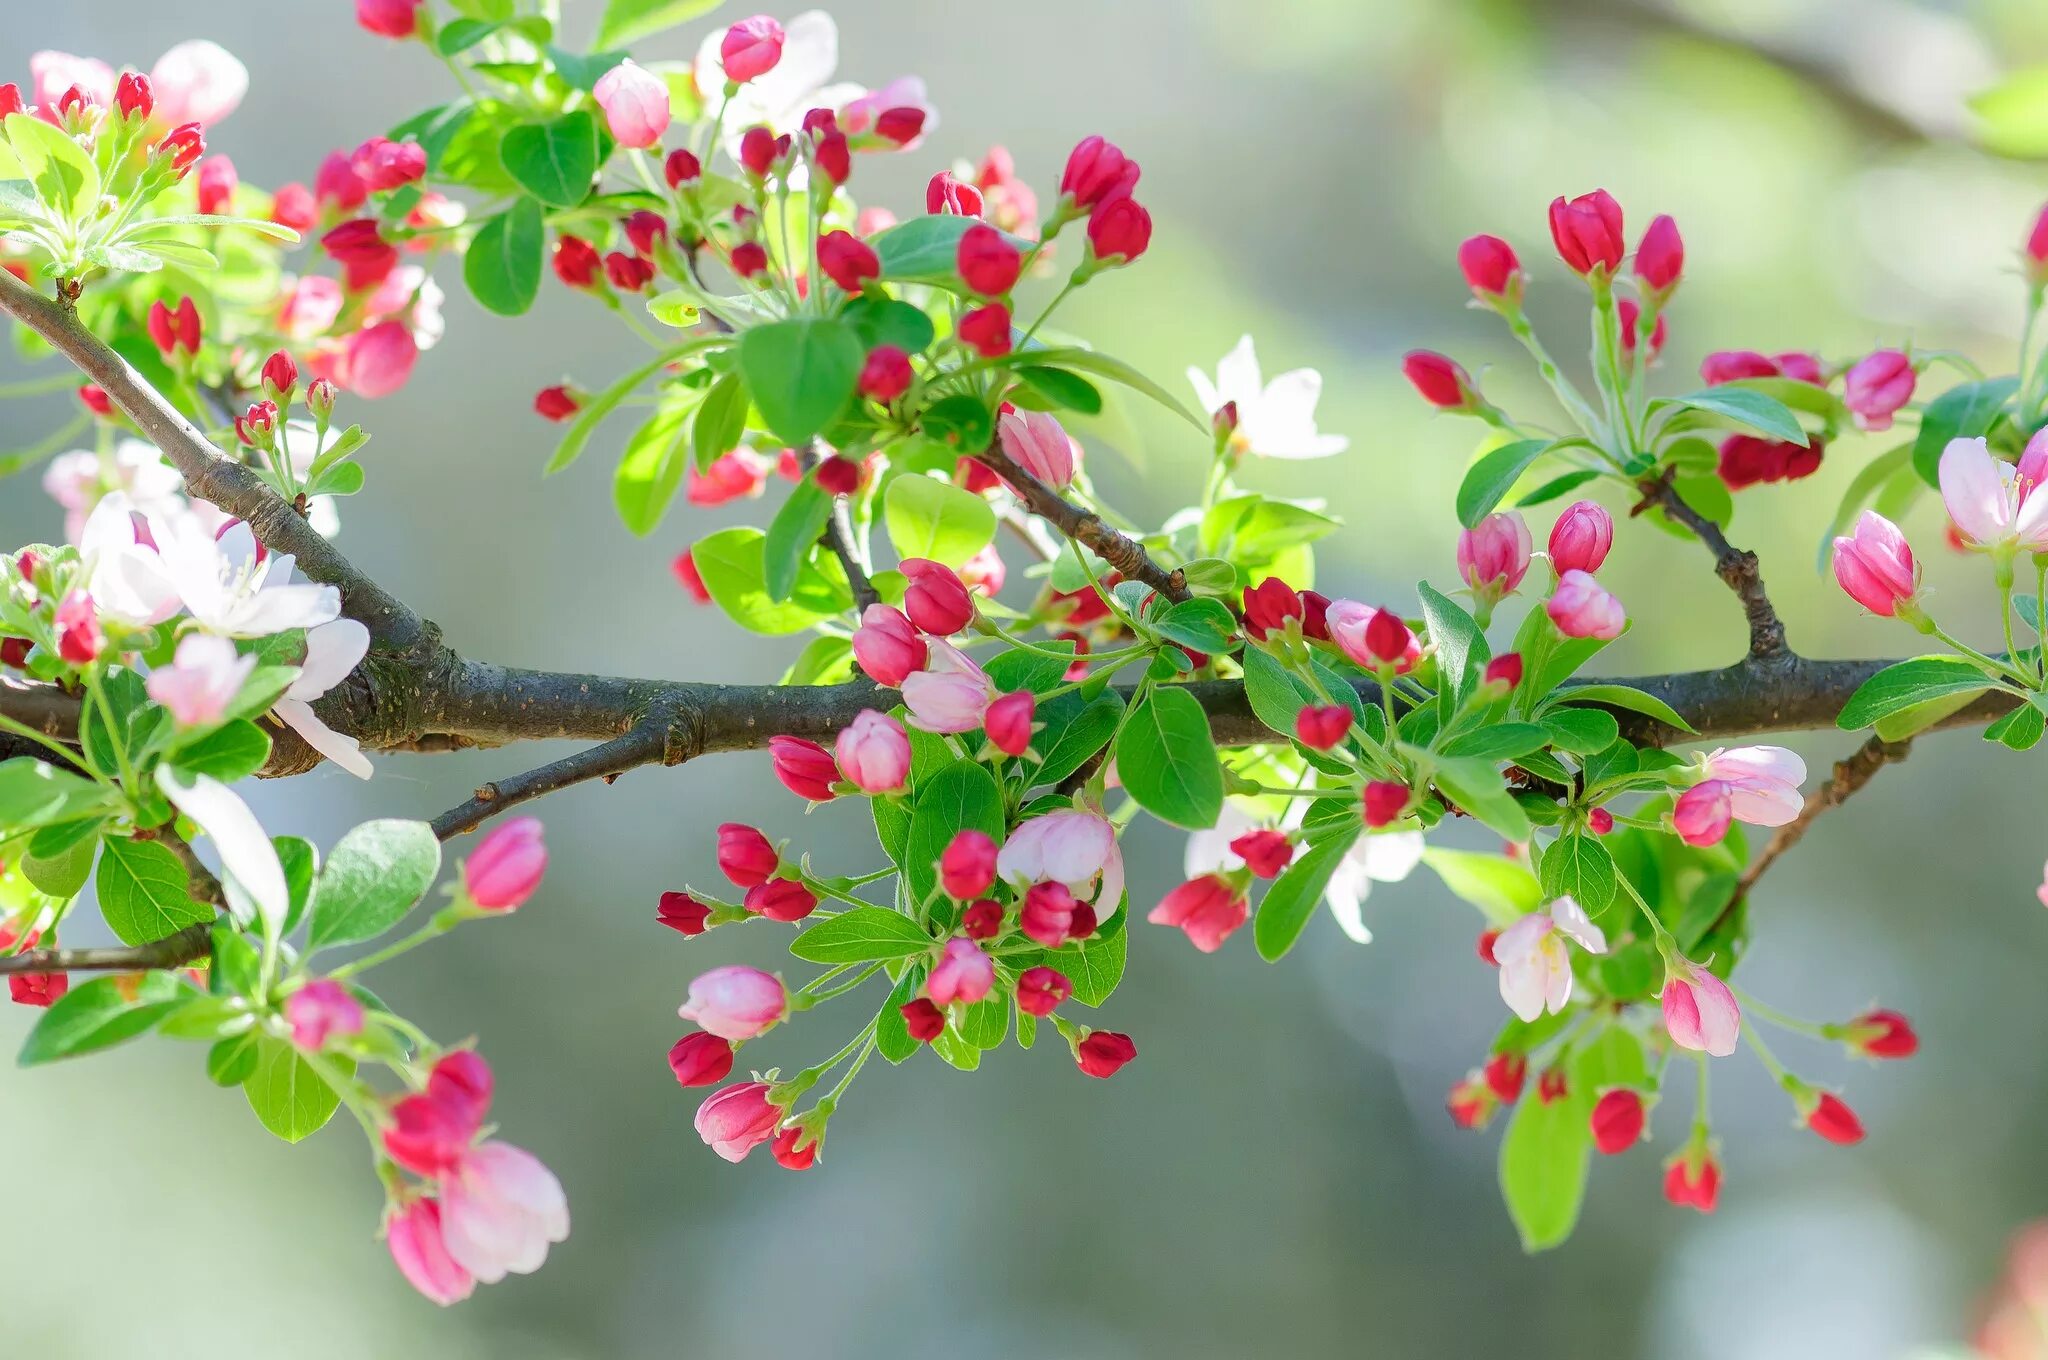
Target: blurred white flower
(1387, 857)
(1274, 420)
(79, 479)
(125, 577)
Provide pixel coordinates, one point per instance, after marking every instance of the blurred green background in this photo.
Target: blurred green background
(1276, 1174)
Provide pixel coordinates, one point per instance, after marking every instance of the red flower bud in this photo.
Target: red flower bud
(1268, 606)
(10, 99)
(1264, 852)
(988, 263)
(1103, 1053)
(758, 149)
(834, 158)
(1693, 1184)
(1580, 539)
(887, 374)
(14, 652)
(1630, 314)
(924, 1020)
(967, 868)
(847, 260)
(986, 330)
(1504, 670)
(280, 376)
(781, 899)
(1384, 801)
(1617, 1121)
(1727, 365)
(1833, 1120)
(901, 126)
(2036, 248)
(182, 147)
(1660, 259)
(132, 96)
(749, 258)
(805, 768)
(38, 989)
(1315, 608)
(1471, 1103)
(1490, 267)
(982, 920)
(1119, 230)
(1881, 1034)
(576, 262)
(681, 912)
(1484, 946)
(1599, 821)
(1504, 1074)
(838, 476)
(1551, 1085)
(555, 403)
(1388, 638)
(946, 193)
(1096, 171)
(645, 230)
(1008, 722)
(745, 855)
(80, 639)
(1442, 382)
(790, 1150)
(359, 247)
(685, 569)
(628, 273)
(175, 332)
(682, 170)
(1320, 727)
(700, 1059)
(1040, 990)
(257, 426)
(936, 600)
(95, 399)
(1587, 231)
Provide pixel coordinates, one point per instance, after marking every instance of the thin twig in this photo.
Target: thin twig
(173, 951)
(1737, 568)
(838, 534)
(1852, 772)
(1087, 528)
(643, 745)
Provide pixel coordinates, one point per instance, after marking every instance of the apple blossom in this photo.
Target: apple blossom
(951, 694)
(505, 868)
(735, 1120)
(1076, 848)
(736, 1002)
(1699, 1011)
(1376, 857)
(751, 48)
(1493, 555)
(413, 1233)
(1040, 445)
(1275, 419)
(1874, 566)
(1990, 501)
(874, 753)
(201, 681)
(1535, 965)
(500, 1211)
(635, 104)
(1581, 608)
(1208, 910)
(963, 974)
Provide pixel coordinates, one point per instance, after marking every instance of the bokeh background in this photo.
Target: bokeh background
(1276, 1174)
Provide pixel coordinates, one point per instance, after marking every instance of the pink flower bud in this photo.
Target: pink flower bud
(181, 148)
(1040, 445)
(80, 639)
(1692, 1180)
(1104, 1052)
(1876, 386)
(781, 899)
(791, 1151)
(1504, 670)
(1587, 232)
(1320, 727)
(1702, 813)
(700, 1059)
(430, 1131)
(1580, 608)
(631, 274)
(1699, 1011)
(887, 374)
(759, 150)
(2036, 250)
(1618, 1117)
(577, 262)
(951, 694)
(378, 361)
(737, 1119)
(1471, 1103)
(1493, 555)
(805, 768)
(947, 195)
(982, 920)
(635, 104)
(175, 332)
(1265, 852)
(751, 48)
(1504, 1075)
(216, 185)
(936, 600)
(506, 866)
(1629, 314)
(1119, 230)
(413, 1232)
(1490, 267)
(1384, 801)
(1827, 1115)
(1580, 539)
(988, 263)
(1374, 638)
(1008, 722)
(1728, 365)
(1047, 915)
(1441, 381)
(1600, 821)
(925, 1021)
(736, 1002)
(1207, 909)
(384, 165)
(745, 855)
(1660, 259)
(887, 645)
(41, 990)
(1268, 606)
(1875, 566)
(986, 330)
(681, 912)
(963, 974)
(967, 869)
(874, 753)
(203, 678)
(320, 1010)
(1040, 990)
(847, 260)
(833, 158)
(1747, 459)
(684, 568)
(133, 97)
(1880, 1034)
(390, 19)
(1096, 171)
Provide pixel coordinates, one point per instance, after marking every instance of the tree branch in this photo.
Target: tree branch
(1852, 772)
(642, 746)
(1738, 569)
(1086, 527)
(173, 951)
(839, 536)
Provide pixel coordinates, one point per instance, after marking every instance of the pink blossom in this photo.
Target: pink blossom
(197, 82)
(736, 1002)
(751, 47)
(201, 681)
(1581, 608)
(1876, 386)
(1581, 537)
(1074, 847)
(500, 1210)
(950, 695)
(874, 752)
(1208, 909)
(1040, 445)
(430, 1130)
(1493, 555)
(732, 476)
(1875, 566)
(413, 1233)
(1763, 782)
(962, 974)
(1351, 626)
(310, 307)
(884, 116)
(887, 647)
(1535, 967)
(1699, 1010)
(1991, 501)
(378, 360)
(320, 1009)
(506, 866)
(735, 1120)
(389, 18)
(635, 104)
(1702, 813)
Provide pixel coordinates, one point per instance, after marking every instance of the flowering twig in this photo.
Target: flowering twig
(1852, 772)
(1085, 527)
(1737, 568)
(839, 536)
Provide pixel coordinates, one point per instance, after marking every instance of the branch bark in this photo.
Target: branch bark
(1087, 528)
(839, 536)
(173, 951)
(1737, 568)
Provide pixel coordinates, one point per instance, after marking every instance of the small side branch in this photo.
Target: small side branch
(192, 943)
(839, 536)
(1737, 568)
(1087, 528)
(1852, 772)
(644, 745)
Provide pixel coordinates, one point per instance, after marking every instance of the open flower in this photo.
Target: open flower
(126, 577)
(1699, 1011)
(233, 590)
(1763, 782)
(950, 694)
(500, 1211)
(332, 651)
(779, 98)
(1275, 419)
(1075, 848)
(1990, 500)
(1383, 857)
(201, 681)
(1535, 965)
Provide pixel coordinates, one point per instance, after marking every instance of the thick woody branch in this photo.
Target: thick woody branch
(1087, 528)
(173, 951)
(1737, 568)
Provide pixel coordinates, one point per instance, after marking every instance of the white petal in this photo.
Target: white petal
(332, 651)
(1237, 376)
(1571, 918)
(246, 853)
(1523, 978)
(1345, 894)
(344, 751)
(1209, 851)
(1205, 391)
(284, 607)
(1390, 856)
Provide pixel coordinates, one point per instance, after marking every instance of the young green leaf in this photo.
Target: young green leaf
(291, 1099)
(930, 518)
(145, 891)
(372, 879)
(1288, 904)
(555, 161)
(801, 372)
(502, 266)
(1490, 478)
(1166, 757)
(859, 935)
(101, 1013)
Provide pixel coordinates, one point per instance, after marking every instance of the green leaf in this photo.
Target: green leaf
(371, 880)
(628, 21)
(2012, 115)
(963, 796)
(1460, 646)
(1080, 739)
(145, 892)
(1543, 1160)
(721, 421)
(1909, 684)
(1166, 757)
(887, 321)
(1582, 731)
(651, 468)
(930, 518)
(604, 403)
(1203, 624)
(927, 249)
(1478, 788)
(288, 1096)
(792, 534)
(234, 751)
(1626, 697)
(892, 1034)
(62, 872)
(1060, 390)
(1490, 478)
(1744, 407)
(2020, 729)
(1103, 366)
(65, 177)
(101, 1013)
(1963, 412)
(961, 422)
(1288, 904)
(301, 863)
(1096, 965)
(232, 1061)
(1501, 888)
(555, 161)
(859, 935)
(1580, 867)
(1030, 670)
(733, 566)
(802, 373)
(1498, 741)
(502, 266)
(35, 794)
